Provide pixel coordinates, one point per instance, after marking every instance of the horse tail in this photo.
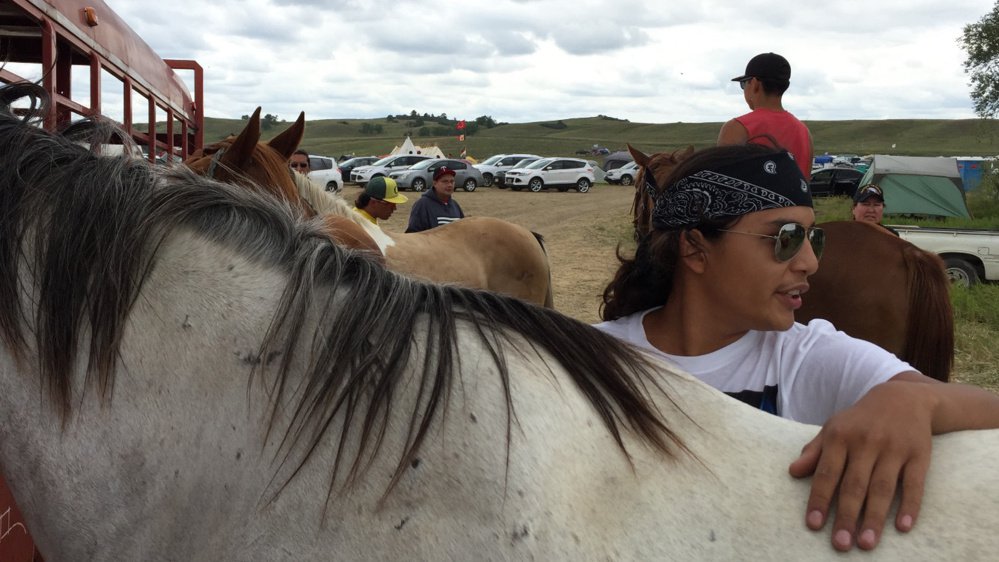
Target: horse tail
(549, 294)
(929, 340)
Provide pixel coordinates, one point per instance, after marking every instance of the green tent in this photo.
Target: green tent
(918, 185)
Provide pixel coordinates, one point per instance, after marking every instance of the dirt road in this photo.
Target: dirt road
(581, 231)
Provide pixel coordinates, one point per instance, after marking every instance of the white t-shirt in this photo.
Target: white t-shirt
(806, 373)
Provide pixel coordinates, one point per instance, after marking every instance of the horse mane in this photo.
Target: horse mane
(79, 233)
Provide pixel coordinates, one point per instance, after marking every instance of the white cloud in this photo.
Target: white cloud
(549, 59)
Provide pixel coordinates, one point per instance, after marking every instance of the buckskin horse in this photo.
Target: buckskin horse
(478, 252)
(870, 284)
(192, 371)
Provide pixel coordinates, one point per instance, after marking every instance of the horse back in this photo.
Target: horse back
(860, 285)
(877, 287)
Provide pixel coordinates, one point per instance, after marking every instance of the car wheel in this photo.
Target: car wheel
(487, 180)
(536, 185)
(419, 184)
(583, 185)
(626, 180)
(960, 272)
(470, 185)
(332, 186)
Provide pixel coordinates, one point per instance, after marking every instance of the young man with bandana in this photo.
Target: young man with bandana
(767, 77)
(713, 289)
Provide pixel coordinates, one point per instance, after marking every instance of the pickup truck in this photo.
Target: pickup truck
(970, 255)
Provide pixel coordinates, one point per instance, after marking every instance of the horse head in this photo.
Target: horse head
(661, 164)
(243, 160)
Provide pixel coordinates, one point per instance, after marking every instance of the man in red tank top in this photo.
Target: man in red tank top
(766, 79)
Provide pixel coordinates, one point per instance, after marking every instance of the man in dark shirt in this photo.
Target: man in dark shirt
(436, 206)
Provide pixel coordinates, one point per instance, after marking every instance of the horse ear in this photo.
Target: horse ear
(289, 139)
(640, 157)
(240, 152)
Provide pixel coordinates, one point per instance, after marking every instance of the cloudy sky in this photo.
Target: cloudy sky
(531, 60)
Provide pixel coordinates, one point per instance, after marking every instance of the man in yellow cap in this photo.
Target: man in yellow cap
(378, 200)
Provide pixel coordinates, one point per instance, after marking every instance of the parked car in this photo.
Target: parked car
(561, 173)
(625, 175)
(420, 176)
(970, 255)
(493, 165)
(385, 167)
(500, 179)
(347, 166)
(324, 171)
(835, 181)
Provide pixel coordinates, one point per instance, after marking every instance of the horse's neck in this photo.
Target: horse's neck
(160, 444)
(326, 203)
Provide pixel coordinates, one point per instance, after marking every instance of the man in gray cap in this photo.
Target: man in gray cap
(763, 85)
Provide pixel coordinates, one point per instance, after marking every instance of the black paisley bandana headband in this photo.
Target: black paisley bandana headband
(758, 183)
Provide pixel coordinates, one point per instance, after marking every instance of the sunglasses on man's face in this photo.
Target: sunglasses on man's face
(790, 238)
(301, 165)
(744, 81)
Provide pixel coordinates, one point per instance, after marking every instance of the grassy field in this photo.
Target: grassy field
(914, 137)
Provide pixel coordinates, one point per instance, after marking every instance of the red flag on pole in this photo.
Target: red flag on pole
(461, 125)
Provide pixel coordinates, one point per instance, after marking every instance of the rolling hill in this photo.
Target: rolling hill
(914, 137)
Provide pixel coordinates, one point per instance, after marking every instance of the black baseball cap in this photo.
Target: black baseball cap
(868, 191)
(767, 65)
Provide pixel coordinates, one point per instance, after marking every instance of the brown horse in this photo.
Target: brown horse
(477, 252)
(871, 284)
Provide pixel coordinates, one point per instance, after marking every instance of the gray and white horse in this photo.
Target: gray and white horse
(189, 372)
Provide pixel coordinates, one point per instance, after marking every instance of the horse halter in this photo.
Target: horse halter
(216, 158)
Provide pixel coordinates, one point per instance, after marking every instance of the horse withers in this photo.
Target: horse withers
(478, 252)
(870, 284)
(192, 371)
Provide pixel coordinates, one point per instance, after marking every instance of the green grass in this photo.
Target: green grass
(915, 137)
(976, 326)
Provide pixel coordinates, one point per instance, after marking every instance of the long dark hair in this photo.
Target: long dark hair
(646, 279)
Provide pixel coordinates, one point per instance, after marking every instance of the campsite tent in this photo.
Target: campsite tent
(616, 160)
(918, 185)
(408, 147)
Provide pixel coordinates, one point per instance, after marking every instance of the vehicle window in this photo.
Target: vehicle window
(493, 159)
(423, 164)
(320, 163)
(572, 164)
(456, 165)
(537, 165)
(824, 175)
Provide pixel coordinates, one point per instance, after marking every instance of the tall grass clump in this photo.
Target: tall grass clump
(976, 329)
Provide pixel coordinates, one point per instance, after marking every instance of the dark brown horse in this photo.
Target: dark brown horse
(871, 284)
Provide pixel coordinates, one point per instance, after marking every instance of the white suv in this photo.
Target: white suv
(384, 167)
(625, 175)
(325, 172)
(561, 173)
(492, 166)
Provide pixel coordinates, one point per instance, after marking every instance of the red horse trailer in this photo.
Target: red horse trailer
(83, 41)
